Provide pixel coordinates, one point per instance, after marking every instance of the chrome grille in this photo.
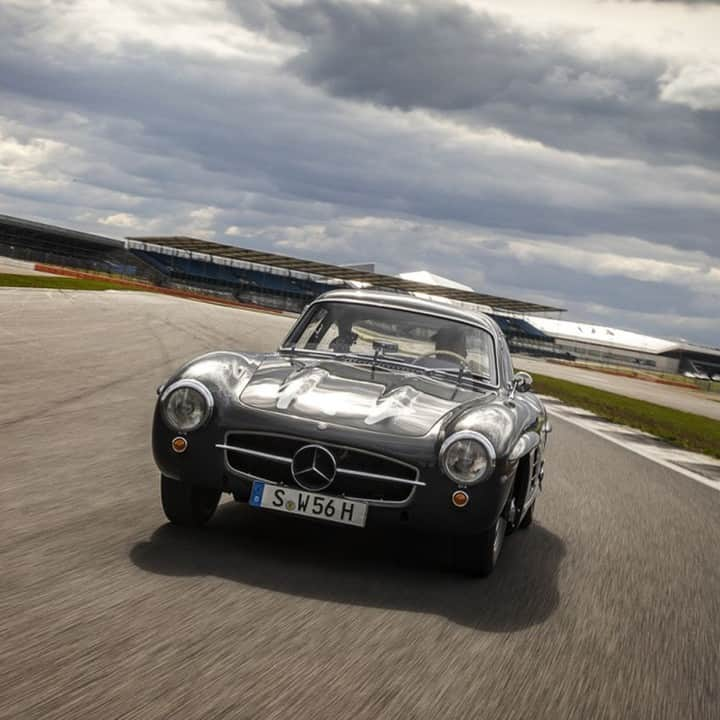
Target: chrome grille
(361, 475)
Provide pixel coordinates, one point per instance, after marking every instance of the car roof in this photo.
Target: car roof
(403, 301)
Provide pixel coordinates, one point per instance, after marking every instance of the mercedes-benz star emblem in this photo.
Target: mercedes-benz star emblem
(313, 468)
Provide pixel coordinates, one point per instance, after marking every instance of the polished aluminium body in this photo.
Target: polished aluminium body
(371, 430)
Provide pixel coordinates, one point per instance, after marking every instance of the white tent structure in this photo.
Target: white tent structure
(428, 278)
(424, 276)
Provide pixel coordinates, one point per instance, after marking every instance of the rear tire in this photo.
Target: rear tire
(477, 555)
(187, 505)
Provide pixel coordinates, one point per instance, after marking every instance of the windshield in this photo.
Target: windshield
(425, 341)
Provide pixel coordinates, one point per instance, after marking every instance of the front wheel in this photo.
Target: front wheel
(185, 504)
(478, 555)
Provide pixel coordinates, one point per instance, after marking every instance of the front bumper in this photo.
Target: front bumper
(429, 507)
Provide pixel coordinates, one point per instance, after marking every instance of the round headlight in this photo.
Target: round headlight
(467, 457)
(186, 405)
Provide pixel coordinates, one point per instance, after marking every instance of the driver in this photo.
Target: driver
(450, 339)
(346, 338)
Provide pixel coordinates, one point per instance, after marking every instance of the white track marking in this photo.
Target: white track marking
(648, 446)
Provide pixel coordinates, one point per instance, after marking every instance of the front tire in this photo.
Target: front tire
(187, 505)
(477, 555)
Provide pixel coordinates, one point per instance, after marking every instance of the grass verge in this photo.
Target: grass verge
(58, 282)
(648, 375)
(687, 430)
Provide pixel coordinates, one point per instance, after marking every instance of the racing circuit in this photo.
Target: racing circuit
(608, 607)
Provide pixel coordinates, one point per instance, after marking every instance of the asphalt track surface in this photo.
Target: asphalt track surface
(608, 607)
(687, 400)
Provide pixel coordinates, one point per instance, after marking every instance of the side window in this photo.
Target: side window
(312, 332)
(504, 360)
(331, 333)
(479, 353)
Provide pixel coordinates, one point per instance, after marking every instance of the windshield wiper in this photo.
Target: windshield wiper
(377, 357)
(459, 376)
(381, 347)
(422, 370)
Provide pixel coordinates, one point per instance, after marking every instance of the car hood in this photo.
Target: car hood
(355, 396)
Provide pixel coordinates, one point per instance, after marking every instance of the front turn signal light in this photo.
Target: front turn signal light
(460, 498)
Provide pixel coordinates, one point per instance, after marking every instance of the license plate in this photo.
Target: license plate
(299, 502)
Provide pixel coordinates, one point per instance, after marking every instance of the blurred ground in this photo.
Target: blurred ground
(609, 607)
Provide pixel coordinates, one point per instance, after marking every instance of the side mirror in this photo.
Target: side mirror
(521, 382)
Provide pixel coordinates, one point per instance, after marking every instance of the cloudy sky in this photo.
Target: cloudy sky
(564, 152)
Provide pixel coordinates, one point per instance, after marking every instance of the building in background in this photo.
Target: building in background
(600, 344)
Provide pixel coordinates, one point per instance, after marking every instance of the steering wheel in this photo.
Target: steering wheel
(434, 353)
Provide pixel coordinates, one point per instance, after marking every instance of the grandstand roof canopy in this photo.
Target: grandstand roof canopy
(344, 273)
(30, 227)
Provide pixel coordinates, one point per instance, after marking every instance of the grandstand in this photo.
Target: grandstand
(231, 272)
(344, 275)
(40, 243)
(250, 283)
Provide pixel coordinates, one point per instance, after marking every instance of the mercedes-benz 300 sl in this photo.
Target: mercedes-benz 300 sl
(378, 407)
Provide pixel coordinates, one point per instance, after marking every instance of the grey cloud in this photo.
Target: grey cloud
(249, 138)
(193, 137)
(451, 59)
